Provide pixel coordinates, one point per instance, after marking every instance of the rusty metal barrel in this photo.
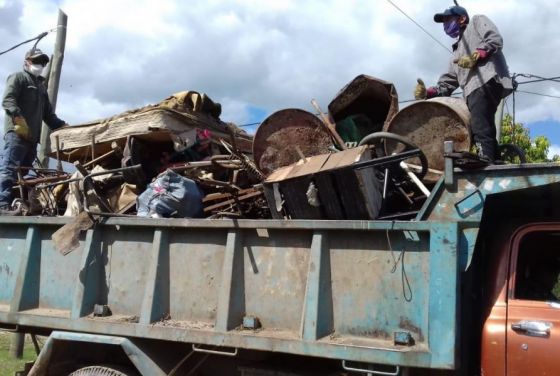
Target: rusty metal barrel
(287, 135)
(429, 123)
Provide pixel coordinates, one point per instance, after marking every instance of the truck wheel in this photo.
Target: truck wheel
(102, 371)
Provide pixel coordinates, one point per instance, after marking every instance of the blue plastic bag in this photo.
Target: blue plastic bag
(171, 195)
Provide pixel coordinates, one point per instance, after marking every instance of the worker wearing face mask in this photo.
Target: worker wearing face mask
(479, 68)
(26, 105)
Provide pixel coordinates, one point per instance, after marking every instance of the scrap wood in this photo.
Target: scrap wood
(232, 201)
(221, 196)
(66, 238)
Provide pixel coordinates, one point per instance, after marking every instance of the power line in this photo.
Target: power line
(38, 38)
(539, 94)
(539, 79)
(420, 26)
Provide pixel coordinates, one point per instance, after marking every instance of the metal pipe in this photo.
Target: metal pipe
(58, 162)
(100, 158)
(415, 179)
(16, 345)
(48, 179)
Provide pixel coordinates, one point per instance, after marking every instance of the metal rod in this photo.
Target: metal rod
(330, 126)
(31, 182)
(100, 158)
(58, 162)
(35, 344)
(415, 179)
(16, 345)
(20, 178)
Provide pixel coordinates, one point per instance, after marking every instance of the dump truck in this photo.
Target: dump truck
(468, 287)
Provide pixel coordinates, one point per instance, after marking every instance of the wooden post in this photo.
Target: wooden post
(54, 79)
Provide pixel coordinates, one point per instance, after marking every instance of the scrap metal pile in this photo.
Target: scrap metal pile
(362, 160)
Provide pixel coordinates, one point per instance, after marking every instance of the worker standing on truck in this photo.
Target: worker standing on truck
(26, 105)
(479, 67)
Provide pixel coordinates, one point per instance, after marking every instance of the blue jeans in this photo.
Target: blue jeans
(17, 152)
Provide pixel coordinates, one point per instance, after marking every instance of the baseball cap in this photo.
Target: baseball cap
(454, 11)
(37, 56)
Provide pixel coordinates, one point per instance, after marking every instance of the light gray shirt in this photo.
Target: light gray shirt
(483, 34)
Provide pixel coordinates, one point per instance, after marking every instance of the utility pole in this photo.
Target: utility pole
(54, 80)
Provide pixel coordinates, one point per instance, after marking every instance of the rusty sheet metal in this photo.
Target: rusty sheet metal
(367, 95)
(194, 281)
(427, 124)
(286, 135)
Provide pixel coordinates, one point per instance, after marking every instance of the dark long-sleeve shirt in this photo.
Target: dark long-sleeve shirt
(26, 95)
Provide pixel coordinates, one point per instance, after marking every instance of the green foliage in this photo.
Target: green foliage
(536, 149)
(8, 365)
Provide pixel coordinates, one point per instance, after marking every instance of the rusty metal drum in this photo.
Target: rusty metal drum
(286, 135)
(429, 123)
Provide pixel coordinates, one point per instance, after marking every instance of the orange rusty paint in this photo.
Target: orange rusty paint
(505, 352)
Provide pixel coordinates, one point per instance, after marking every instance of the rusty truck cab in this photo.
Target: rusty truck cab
(521, 334)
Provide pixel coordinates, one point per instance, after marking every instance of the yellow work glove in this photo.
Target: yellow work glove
(468, 61)
(420, 90)
(20, 127)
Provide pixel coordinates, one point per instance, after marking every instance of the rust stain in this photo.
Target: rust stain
(406, 324)
(375, 333)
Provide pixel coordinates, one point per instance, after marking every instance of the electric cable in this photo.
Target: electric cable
(539, 94)
(538, 78)
(37, 38)
(420, 26)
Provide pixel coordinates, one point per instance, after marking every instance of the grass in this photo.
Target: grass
(8, 365)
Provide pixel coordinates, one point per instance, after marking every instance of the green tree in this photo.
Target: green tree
(536, 149)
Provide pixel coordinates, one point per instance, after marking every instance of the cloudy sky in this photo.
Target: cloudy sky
(259, 56)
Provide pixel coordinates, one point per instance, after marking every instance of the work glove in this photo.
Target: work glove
(20, 127)
(420, 90)
(467, 61)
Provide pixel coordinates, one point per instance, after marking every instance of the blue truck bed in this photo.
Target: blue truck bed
(373, 291)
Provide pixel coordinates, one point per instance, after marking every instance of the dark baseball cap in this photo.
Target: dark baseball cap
(454, 11)
(37, 56)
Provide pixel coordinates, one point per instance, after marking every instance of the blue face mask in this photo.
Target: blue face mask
(452, 28)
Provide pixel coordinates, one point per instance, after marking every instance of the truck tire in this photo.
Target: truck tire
(102, 371)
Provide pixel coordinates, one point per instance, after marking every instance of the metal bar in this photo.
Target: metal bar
(16, 345)
(26, 289)
(31, 182)
(317, 313)
(80, 303)
(448, 166)
(20, 178)
(231, 303)
(35, 343)
(54, 80)
(58, 162)
(155, 304)
(444, 291)
(100, 158)
(371, 372)
(215, 352)
(381, 161)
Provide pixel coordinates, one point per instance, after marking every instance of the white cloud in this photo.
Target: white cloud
(553, 151)
(267, 54)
